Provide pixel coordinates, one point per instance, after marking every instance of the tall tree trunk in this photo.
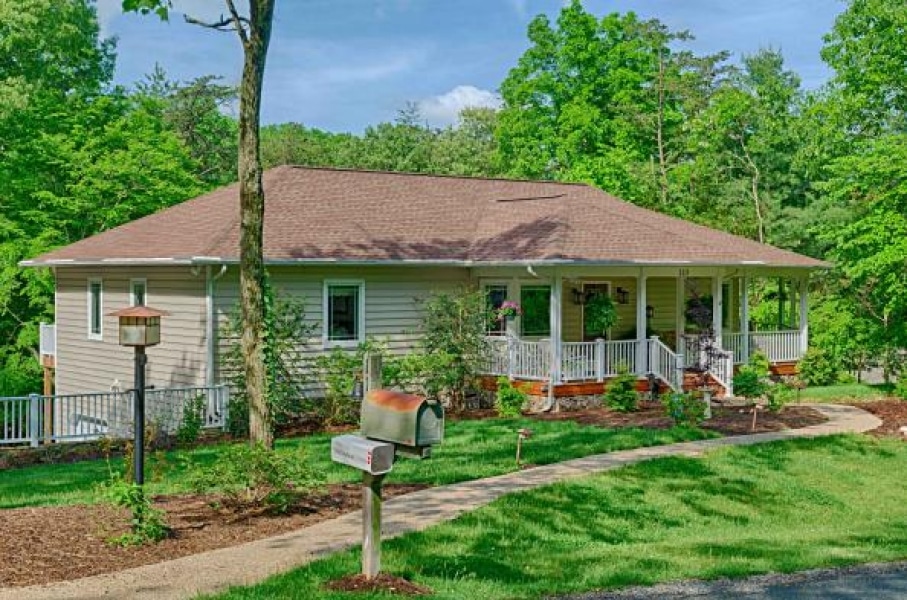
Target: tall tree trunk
(252, 210)
(659, 131)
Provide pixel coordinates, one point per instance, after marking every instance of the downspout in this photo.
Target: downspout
(211, 328)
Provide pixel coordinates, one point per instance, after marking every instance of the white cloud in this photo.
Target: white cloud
(446, 108)
(520, 7)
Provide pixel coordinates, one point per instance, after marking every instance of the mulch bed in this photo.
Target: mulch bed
(725, 420)
(382, 583)
(893, 414)
(47, 544)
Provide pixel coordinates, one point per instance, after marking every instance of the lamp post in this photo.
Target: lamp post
(140, 327)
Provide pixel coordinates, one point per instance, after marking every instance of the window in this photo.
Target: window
(344, 305)
(535, 301)
(95, 309)
(494, 297)
(138, 292)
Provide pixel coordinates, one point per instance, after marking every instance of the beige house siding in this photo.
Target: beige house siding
(86, 365)
(392, 299)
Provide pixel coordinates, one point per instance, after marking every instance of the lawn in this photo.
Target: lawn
(783, 506)
(471, 450)
(844, 393)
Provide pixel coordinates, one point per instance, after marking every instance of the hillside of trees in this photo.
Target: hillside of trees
(612, 100)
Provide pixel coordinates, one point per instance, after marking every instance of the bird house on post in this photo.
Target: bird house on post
(139, 326)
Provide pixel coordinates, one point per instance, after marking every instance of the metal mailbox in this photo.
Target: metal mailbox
(402, 419)
(375, 458)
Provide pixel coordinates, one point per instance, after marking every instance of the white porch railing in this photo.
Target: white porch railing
(587, 361)
(75, 417)
(665, 364)
(517, 358)
(778, 346)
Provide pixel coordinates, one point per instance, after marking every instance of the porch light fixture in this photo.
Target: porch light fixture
(580, 297)
(140, 327)
(622, 295)
(650, 311)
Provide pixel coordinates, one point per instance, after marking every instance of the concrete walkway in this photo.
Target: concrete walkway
(250, 563)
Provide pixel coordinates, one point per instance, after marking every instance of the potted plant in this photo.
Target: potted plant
(508, 310)
(600, 315)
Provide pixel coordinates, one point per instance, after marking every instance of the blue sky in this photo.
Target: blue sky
(344, 64)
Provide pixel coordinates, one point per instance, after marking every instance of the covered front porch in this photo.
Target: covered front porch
(654, 334)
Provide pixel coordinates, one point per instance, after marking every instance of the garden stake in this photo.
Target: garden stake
(522, 434)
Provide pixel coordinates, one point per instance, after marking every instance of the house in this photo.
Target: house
(361, 248)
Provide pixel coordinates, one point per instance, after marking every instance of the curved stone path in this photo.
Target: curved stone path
(251, 562)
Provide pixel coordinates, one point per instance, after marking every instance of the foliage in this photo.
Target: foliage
(779, 395)
(453, 329)
(286, 333)
(599, 314)
(621, 392)
(749, 383)
(339, 370)
(147, 523)
(760, 364)
(509, 399)
(192, 422)
(251, 477)
(416, 373)
(900, 390)
(685, 408)
(817, 368)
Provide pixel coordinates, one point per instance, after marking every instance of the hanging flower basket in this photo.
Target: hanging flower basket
(508, 310)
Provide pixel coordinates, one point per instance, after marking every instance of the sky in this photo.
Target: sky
(342, 65)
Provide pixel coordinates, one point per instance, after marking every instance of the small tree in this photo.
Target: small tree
(454, 327)
(621, 393)
(286, 333)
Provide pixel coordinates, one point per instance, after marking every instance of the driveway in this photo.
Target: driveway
(876, 582)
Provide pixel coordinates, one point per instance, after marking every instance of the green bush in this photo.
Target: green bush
(147, 522)
(685, 409)
(416, 373)
(778, 395)
(621, 392)
(338, 372)
(510, 399)
(749, 383)
(192, 423)
(900, 390)
(818, 368)
(760, 364)
(249, 477)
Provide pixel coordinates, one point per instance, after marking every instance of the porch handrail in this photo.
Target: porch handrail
(104, 414)
(665, 364)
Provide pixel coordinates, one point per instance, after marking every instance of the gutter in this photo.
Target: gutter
(211, 329)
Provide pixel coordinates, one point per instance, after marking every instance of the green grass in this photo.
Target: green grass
(844, 393)
(784, 506)
(471, 450)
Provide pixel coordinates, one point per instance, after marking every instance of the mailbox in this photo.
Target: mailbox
(375, 458)
(401, 418)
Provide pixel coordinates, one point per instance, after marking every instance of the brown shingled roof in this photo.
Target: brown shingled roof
(366, 216)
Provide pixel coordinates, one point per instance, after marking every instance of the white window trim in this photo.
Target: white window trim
(489, 283)
(325, 305)
(132, 283)
(91, 335)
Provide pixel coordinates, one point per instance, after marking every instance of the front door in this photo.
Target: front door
(590, 290)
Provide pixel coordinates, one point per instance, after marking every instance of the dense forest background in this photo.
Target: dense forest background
(614, 101)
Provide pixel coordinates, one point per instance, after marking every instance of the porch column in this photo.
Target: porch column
(804, 314)
(717, 303)
(513, 293)
(680, 309)
(745, 318)
(557, 286)
(641, 346)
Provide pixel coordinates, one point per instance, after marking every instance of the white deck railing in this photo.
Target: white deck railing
(665, 364)
(778, 346)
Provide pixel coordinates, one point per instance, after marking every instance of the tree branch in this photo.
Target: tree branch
(243, 36)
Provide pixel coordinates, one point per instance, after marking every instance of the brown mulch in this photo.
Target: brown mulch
(725, 420)
(382, 583)
(47, 544)
(893, 413)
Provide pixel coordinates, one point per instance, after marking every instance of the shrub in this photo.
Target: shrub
(749, 383)
(778, 395)
(509, 400)
(286, 332)
(600, 315)
(192, 423)
(338, 371)
(685, 409)
(416, 373)
(248, 477)
(760, 364)
(454, 327)
(900, 390)
(818, 368)
(621, 393)
(147, 524)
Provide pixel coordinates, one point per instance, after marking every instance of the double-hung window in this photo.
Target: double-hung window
(495, 295)
(95, 309)
(536, 303)
(344, 308)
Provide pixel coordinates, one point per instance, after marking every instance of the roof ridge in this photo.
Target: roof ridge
(431, 175)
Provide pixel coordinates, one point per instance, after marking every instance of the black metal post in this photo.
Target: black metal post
(141, 359)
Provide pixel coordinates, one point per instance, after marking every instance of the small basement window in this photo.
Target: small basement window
(138, 292)
(95, 309)
(344, 308)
